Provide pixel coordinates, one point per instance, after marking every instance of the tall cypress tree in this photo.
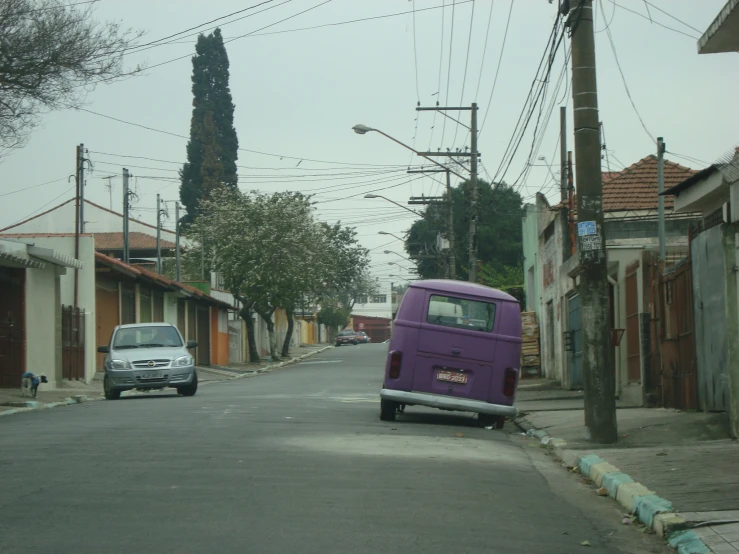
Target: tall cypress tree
(213, 147)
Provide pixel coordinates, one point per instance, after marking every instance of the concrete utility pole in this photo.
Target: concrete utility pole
(78, 185)
(125, 215)
(563, 154)
(177, 240)
(473, 155)
(597, 354)
(159, 235)
(452, 255)
(82, 188)
(661, 199)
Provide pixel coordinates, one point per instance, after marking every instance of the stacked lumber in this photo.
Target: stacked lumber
(530, 355)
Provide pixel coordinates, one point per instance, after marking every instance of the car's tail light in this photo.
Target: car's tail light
(509, 385)
(395, 359)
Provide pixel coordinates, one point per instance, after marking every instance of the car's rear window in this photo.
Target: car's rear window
(461, 313)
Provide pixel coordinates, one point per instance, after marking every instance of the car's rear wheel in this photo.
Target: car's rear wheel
(191, 389)
(387, 410)
(110, 393)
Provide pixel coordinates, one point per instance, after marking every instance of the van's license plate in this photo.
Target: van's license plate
(451, 376)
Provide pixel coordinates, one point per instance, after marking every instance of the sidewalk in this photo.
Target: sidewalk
(678, 471)
(76, 392)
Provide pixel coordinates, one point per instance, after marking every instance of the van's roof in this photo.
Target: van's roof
(462, 287)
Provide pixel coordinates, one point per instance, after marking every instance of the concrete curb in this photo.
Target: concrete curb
(653, 511)
(81, 398)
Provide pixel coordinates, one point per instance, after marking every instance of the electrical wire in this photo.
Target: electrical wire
(485, 48)
(497, 71)
(655, 22)
(32, 187)
(42, 207)
(623, 77)
(449, 68)
(281, 156)
(438, 86)
(466, 64)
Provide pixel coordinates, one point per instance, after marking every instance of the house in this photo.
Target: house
(377, 328)
(128, 293)
(630, 204)
(38, 333)
(714, 194)
(376, 305)
(722, 36)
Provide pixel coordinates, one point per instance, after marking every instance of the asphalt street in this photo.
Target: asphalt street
(293, 461)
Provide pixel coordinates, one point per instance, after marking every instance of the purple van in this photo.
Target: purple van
(454, 346)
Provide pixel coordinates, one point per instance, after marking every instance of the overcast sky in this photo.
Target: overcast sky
(298, 94)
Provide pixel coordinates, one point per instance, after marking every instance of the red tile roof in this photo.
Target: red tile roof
(160, 280)
(635, 187)
(136, 241)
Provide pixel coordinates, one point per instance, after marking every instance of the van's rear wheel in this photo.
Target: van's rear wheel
(387, 410)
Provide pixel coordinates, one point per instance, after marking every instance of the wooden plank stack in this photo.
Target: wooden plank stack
(530, 355)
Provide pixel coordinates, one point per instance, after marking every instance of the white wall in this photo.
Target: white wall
(170, 308)
(97, 220)
(86, 286)
(373, 309)
(41, 323)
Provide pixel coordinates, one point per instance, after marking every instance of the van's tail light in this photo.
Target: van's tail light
(395, 359)
(509, 385)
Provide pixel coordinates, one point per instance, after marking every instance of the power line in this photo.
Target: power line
(466, 63)
(32, 187)
(449, 68)
(485, 48)
(623, 77)
(441, 61)
(281, 156)
(42, 207)
(672, 17)
(655, 22)
(415, 53)
(248, 34)
(497, 71)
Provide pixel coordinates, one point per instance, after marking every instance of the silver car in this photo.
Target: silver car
(148, 356)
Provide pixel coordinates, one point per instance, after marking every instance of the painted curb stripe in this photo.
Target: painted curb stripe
(611, 481)
(687, 542)
(586, 462)
(646, 507)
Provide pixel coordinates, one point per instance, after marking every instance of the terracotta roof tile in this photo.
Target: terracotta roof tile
(136, 241)
(159, 279)
(635, 187)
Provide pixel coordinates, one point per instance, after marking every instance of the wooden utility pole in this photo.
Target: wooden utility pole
(597, 354)
(77, 226)
(661, 199)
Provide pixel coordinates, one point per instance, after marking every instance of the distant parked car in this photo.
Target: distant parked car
(363, 337)
(347, 337)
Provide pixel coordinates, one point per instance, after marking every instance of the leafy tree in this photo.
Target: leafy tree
(334, 316)
(499, 234)
(505, 278)
(213, 147)
(51, 56)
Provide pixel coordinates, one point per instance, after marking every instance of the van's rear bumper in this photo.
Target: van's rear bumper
(447, 402)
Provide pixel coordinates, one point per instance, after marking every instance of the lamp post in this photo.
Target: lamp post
(403, 268)
(393, 202)
(363, 130)
(399, 255)
(395, 236)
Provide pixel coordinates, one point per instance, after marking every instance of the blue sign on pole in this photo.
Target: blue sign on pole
(585, 228)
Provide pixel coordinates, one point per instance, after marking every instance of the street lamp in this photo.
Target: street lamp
(386, 233)
(393, 252)
(363, 130)
(403, 268)
(393, 202)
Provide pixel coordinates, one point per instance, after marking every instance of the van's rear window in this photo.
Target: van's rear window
(461, 313)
